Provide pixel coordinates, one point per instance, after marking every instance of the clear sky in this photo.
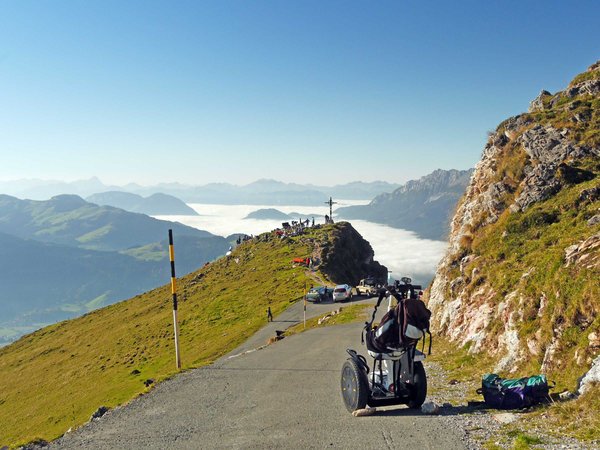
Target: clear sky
(300, 91)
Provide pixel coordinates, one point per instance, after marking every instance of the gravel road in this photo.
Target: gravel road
(286, 395)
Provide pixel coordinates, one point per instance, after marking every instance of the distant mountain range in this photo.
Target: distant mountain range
(424, 206)
(70, 220)
(65, 256)
(154, 205)
(263, 192)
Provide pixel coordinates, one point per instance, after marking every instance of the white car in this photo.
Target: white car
(342, 292)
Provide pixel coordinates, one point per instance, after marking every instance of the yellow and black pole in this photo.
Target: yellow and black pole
(174, 292)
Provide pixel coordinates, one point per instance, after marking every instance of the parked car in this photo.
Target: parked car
(342, 292)
(319, 294)
(367, 286)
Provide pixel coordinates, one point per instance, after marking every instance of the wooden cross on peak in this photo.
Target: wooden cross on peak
(331, 203)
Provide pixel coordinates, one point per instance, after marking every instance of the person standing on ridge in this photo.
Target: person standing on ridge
(269, 315)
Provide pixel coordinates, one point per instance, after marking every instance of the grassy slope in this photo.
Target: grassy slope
(55, 378)
(348, 314)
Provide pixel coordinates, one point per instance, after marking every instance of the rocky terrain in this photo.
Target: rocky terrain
(346, 257)
(520, 279)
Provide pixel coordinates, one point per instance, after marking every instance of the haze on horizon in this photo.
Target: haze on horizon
(96, 179)
(307, 92)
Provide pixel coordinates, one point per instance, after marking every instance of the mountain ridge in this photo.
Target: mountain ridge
(259, 192)
(423, 206)
(86, 225)
(157, 204)
(64, 256)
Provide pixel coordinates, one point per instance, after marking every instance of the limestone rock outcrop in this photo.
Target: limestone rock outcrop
(538, 174)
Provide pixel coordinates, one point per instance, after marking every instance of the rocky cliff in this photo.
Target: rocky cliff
(424, 206)
(520, 280)
(347, 257)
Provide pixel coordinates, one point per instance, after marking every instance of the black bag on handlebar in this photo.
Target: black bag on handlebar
(402, 326)
(386, 336)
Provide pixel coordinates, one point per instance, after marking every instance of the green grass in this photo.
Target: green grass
(150, 252)
(95, 235)
(458, 362)
(577, 418)
(55, 378)
(586, 132)
(512, 439)
(520, 440)
(348, 314)
(592, 75)
(523, 441)
(460, 365)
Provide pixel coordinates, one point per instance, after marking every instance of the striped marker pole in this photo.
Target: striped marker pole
(174, 292)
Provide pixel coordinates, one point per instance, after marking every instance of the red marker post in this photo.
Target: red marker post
(174, 292)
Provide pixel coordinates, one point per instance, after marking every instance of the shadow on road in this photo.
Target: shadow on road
(444, 410)
(268, 369)
(354, 299)
(398, 411)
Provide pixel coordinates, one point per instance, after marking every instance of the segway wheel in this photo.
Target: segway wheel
(355, 386)
(419, 392)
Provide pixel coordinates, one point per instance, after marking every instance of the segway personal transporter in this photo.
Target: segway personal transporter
(397, 375)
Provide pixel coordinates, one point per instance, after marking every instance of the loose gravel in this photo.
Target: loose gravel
(479, 425)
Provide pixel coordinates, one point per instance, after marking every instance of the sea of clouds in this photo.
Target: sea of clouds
(401, 251)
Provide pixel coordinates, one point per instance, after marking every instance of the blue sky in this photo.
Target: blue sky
(307, 91)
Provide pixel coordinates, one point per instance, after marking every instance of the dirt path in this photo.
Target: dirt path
(316, 277)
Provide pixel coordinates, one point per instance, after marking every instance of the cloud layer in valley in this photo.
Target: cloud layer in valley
(401, 251)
